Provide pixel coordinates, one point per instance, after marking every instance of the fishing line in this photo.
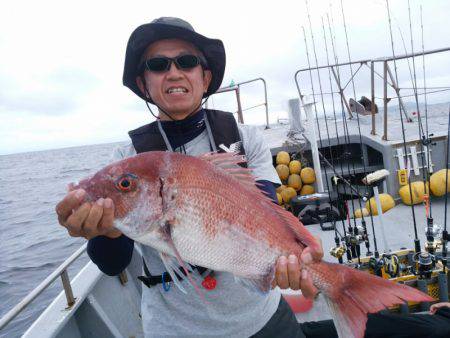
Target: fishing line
(416, 238)
(335, 118)
(323, 104)
(363, 222)
(347, 138)
(334, 115)
(316, 115)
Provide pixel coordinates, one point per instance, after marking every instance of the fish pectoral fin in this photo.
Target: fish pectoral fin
(166, 231)
(172, 268)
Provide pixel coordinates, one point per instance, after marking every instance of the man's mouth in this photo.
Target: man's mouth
(173, 90)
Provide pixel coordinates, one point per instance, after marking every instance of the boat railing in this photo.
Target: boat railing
(60, 271)
(237, 89)
(387, 77)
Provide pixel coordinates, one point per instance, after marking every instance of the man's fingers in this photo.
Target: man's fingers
(106, 223)
(281, 274)
(309, 255)
(91, 224)
(70, 202)
(307, 286)
(75, 221)
(293, 268)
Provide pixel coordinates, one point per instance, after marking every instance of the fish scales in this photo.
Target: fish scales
(208, 211)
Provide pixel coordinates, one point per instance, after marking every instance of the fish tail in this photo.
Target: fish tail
(352, 294)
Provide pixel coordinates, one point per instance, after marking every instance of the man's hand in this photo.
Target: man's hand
(437, 306)
(288, 272)
(84, 219)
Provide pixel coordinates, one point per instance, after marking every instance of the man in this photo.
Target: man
(171, 66)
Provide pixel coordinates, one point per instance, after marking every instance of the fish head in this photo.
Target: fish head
(134, 186)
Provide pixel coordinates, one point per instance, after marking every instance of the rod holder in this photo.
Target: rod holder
(443, 286)
(422, 286)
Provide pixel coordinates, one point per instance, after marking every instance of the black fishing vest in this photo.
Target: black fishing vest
(224, 130)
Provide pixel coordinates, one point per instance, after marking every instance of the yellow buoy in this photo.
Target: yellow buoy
(280, 188)
(359, 212)
(417, 191)
(283, 158)
(283, 171)
(287, 194)
(295, 182)
(308, 175)
(387, 203)
(437, 183)
(280, 199)
(307, 189)
(295, 167)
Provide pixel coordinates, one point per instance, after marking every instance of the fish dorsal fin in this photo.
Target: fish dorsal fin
(297, 227)
(229, 162)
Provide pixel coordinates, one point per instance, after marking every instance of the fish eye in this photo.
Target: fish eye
(126, 182)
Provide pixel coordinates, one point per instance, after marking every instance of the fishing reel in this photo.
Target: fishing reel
(423, 264)
(338, 251)
(432, 231)
(387, 266)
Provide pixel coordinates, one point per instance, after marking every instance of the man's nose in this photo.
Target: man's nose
(173, 71)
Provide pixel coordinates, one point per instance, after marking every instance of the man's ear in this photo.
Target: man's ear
(141, 86)
(207, 77)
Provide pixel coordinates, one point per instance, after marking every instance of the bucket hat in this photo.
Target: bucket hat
(172, 28)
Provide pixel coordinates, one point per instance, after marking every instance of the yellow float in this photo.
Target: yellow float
(387, 203)
(308, 175)
(294, 181)
(307, 189)
(283, 158)
(437, 183)
(287, 194)
(283, 171)
(417, 191)
(295, 167)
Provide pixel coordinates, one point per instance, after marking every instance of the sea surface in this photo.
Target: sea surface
(32, 243)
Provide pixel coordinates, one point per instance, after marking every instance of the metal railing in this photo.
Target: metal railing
(237, 89)
(60, 271)
(387, 77)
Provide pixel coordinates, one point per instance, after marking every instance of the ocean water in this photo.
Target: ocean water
(32, 243)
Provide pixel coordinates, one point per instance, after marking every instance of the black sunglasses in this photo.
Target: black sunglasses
(163, 64)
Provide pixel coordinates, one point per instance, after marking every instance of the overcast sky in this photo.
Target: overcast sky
(61, 62)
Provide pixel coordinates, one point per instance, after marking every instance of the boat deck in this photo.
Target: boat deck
(399, 229)
(437, 124)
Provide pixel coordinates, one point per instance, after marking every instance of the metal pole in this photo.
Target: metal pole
(313, 141)
(341, 92)
(67, 288)
(9, 316)
(372, 83)
(380, 217)
(385, 100)
(239, 112)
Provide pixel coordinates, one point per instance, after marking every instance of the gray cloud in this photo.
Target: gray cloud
(59, 93)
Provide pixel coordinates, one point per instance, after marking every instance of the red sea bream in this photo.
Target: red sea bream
(207, 211)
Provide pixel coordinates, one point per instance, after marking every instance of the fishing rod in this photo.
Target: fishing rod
(330, 149)
(355, 230)
(425, 140)
(417, 246)
(445, 236)
(336, 250)
(352, 239)
(425, 97)
(363, 222)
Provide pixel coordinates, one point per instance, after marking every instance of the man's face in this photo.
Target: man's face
(177, 91)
